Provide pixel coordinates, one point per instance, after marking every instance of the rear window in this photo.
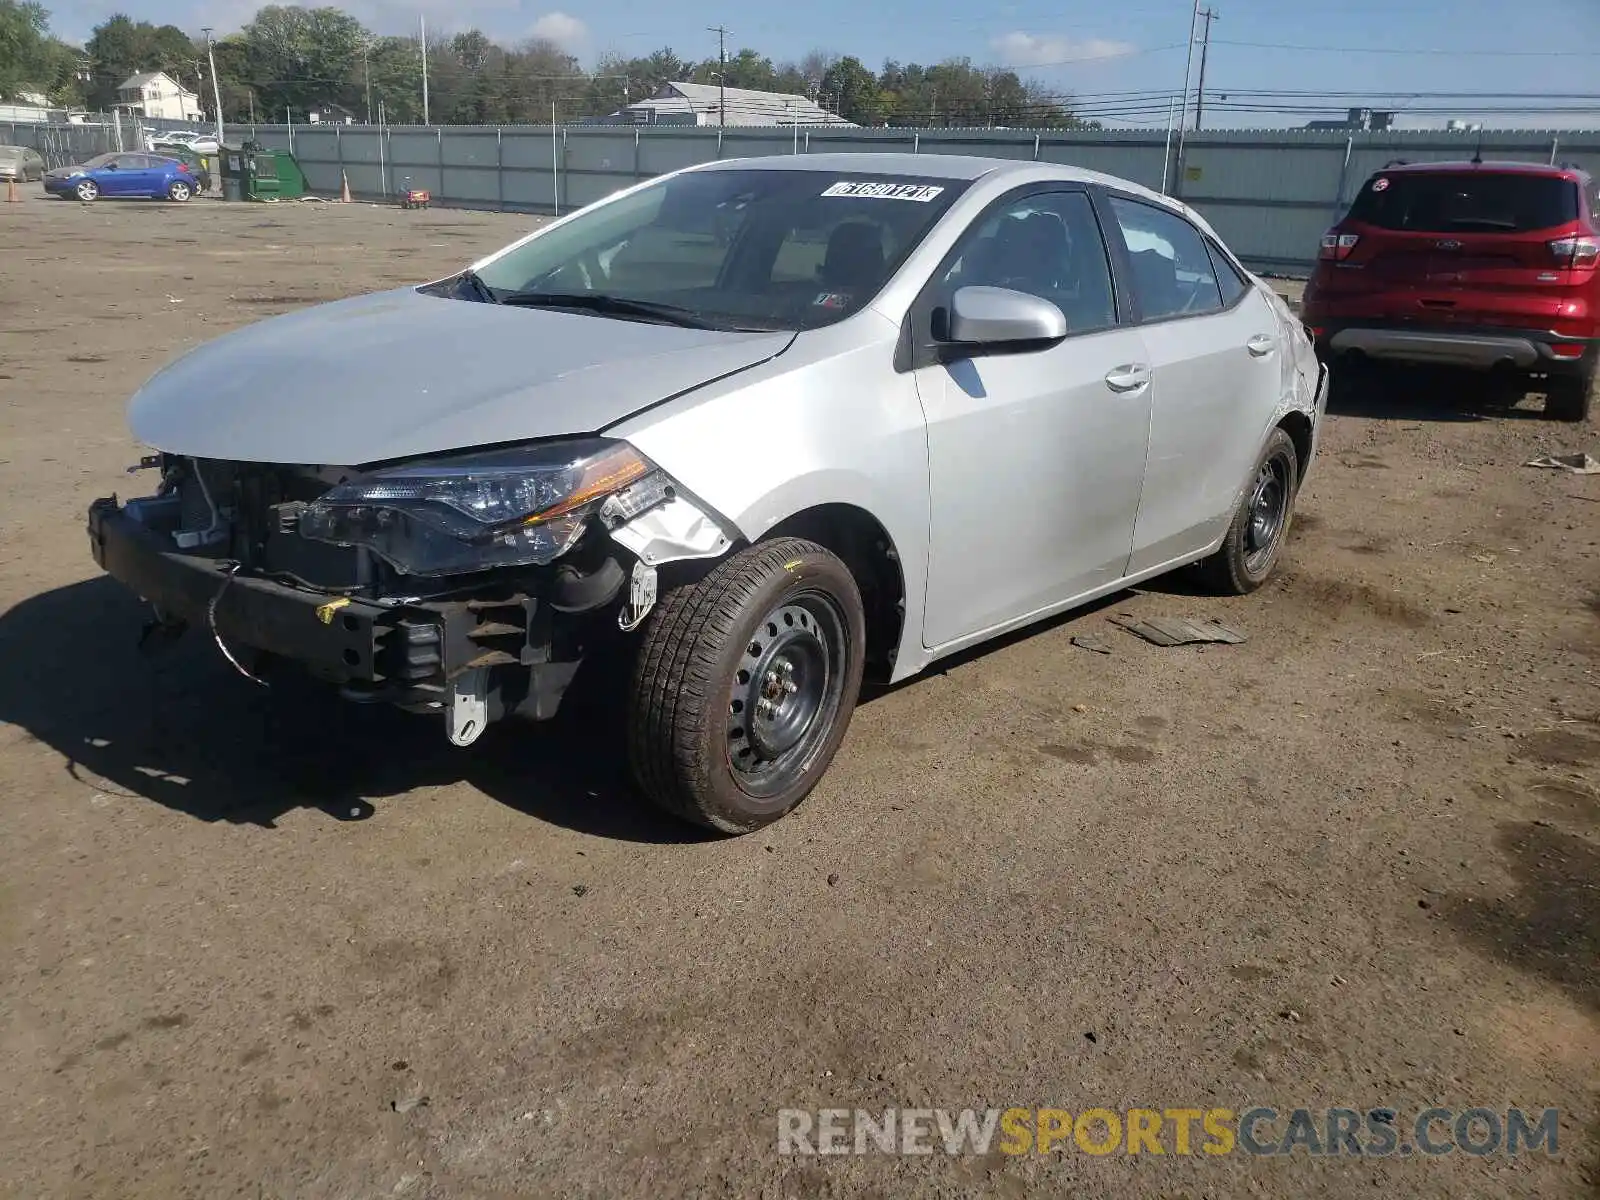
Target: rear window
(1466, 203)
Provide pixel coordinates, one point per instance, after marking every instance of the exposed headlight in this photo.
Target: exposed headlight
(507, 508)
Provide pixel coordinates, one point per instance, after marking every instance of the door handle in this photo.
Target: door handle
(1261, 345)
(1129, 378)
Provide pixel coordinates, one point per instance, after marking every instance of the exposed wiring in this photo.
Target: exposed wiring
(216, 636)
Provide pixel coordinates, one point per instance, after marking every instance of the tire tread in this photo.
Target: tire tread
(675, 676)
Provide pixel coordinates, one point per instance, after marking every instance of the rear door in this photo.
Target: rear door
(1468, 248)
(1213, 341)
(151, 173)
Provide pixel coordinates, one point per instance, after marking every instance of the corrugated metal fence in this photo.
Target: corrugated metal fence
(1270, 193)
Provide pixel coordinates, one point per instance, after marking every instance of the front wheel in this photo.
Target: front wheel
(1568, 397)
(1250, 550)
(179, 190)
(87, 190)
(744, 685)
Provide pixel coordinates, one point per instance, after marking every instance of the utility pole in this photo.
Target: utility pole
(1188, 62)
(1208, 16)
(722, 76)
(424, 21)
(366, 74)
(1183, 107)
(216, 89)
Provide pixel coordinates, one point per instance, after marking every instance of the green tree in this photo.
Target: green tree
(300, 59)
(746, 69)
(33, 61)
(851, 90)
(120, 47)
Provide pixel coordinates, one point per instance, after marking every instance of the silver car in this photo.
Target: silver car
(735, 438)
(21, 163)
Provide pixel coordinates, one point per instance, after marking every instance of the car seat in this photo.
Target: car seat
(854, 257)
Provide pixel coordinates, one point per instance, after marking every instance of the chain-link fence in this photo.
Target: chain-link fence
(62, 145)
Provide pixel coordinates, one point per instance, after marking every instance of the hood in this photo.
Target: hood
(397, 374)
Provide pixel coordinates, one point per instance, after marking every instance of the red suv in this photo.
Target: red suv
(1487, 265)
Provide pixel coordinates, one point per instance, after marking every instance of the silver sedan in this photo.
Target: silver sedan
(732, 439)
(21, 163)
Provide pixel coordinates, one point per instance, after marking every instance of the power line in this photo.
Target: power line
(1412, 50)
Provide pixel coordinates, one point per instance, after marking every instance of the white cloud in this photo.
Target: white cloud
(565, 31)
(1019, 49)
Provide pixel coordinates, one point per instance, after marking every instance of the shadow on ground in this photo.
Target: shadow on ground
(180, 727)
(1428, 394)
(1551, 926)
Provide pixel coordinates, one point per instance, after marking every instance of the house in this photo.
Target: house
(330, 114)
(158, 96)
(1358, 118)
(701, 104)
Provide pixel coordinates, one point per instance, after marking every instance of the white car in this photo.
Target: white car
(197, 140)
(756, 428)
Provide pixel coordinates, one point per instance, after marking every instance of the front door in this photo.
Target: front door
(120, 176)
(1036, 458)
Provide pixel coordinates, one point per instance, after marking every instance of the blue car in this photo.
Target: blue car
(121, 174)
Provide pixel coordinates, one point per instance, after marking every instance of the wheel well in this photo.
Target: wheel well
(1298, 426)
(864, 545)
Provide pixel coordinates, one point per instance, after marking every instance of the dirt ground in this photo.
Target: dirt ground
(1353, 861)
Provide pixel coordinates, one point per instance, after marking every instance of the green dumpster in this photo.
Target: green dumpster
(250, 172)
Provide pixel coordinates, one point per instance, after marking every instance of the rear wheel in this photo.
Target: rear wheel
(1569, 397)
(745, 684)
(179, 190)
(1250, 550)
(87, 190)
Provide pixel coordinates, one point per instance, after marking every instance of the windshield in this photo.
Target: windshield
(1467, 202)
(745, 249)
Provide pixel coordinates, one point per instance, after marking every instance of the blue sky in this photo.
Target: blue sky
(1385, 49)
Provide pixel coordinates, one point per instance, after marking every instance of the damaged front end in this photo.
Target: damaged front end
(474, 586)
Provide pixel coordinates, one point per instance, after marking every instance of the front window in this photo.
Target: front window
(1047, 244)
(738, 249)
(98, 161)
(1466, 202)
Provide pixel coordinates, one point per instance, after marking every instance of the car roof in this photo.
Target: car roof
(939, 166)
(1487, 167)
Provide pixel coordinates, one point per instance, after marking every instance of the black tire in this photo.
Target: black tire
(1569, 397)
(1250, 550)
(709, 738)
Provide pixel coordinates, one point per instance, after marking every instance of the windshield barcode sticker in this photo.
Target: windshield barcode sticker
(918, 192)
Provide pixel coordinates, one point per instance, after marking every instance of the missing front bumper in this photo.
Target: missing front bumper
(513, 648)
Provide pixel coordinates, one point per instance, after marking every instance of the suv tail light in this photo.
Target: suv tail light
(1336, 247)
(1576, 251)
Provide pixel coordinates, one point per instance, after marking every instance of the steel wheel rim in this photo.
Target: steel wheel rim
(1269, 510)
(785, 693)
(87, 190)
(180, 191)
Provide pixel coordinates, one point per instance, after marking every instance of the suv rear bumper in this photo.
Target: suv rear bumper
(1477, 349)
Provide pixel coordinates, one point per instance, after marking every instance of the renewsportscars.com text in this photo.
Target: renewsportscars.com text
(1259, 1131)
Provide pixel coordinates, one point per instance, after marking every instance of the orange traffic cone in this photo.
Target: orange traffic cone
(12, 195)
(344, 188)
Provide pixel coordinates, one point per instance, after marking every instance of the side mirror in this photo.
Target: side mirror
(991, 316)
